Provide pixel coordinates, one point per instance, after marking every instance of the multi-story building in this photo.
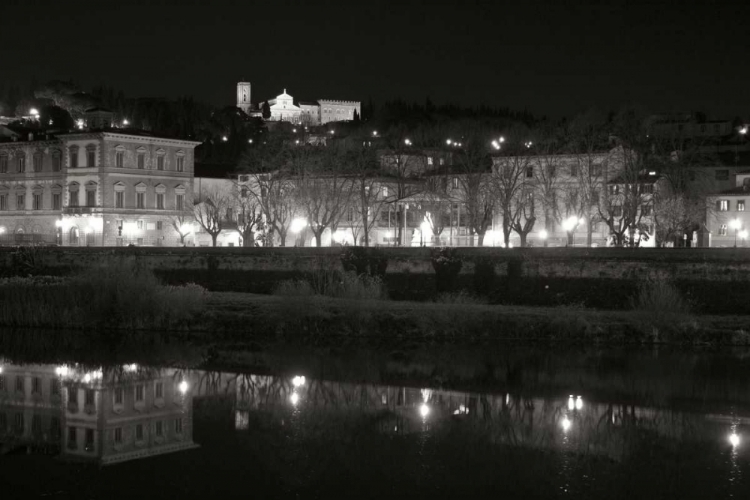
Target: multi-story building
(94, 187)
(728, 215)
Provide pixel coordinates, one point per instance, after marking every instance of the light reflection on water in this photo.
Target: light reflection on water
(579, 445)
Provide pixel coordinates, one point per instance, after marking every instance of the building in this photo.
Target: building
(727, 215)
(106, 187)
(283, 108)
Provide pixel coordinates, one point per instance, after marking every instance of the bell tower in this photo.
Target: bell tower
(243, 97)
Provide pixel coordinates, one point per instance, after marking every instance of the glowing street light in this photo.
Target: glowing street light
(34, 113)
(570, 224)
(734, 440)
(125, 122)
(298, 381)
(735, 224)
(249, 141)
(424, 410)
(294, 398)
(297, 225)
(495, 144)
(331, 132)
(743, 130)
(543, 234)
(224, 138)
(448, 142)
(183, 387)
(407, 142)
(374, 133)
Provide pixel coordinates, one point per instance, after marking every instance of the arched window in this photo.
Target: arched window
(74, 237)
(91, 194)
(73, 188)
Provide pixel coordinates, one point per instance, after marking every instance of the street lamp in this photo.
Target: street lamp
(407, 142)
(570, 224)
(736, 225)
(543, 236)
(374, 133)
(125, 122)
(448, 142)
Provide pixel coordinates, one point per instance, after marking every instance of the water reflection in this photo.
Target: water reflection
(102, 415)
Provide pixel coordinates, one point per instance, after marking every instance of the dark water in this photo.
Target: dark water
(168, 421)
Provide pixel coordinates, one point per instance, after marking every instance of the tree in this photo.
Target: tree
(513, 180)
(368, 196)
(322, 190)
(182, 221)
(266, 111)
(249, 214)
(436, 206)
(211, 210)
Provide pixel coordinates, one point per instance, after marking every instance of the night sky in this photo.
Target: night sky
(555, 58)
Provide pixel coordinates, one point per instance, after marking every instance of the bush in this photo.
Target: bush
(462, 297)
(120, 296)
(364, 261)
(330, 283)
(659, 297)
(447, 265)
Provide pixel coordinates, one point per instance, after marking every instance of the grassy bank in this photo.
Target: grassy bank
(234, 316)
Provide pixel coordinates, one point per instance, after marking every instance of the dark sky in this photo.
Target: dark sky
(554, 57)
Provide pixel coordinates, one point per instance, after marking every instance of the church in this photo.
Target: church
(283, 108)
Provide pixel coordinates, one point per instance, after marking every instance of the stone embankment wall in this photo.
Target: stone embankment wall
(715, 279)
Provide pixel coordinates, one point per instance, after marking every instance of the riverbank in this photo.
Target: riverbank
(238, 316)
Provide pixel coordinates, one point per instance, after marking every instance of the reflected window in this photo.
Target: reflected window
(178, 426)
(89, 397)
(36, 385)
(20, 383)
(139, 432)
(159, 429)
(72, 438)
(89, 439)
(118, 396)
(159, 390)
(118, 435)
(36, 425)
(139, 393)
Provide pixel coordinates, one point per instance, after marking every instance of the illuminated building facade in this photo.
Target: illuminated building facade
(94, 188)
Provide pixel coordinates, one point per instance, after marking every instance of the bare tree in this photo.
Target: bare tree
(369, 191)
(210, 210)
(477, 189)
(182, 221)
(513, 176)
(322, 190)
(249, 214)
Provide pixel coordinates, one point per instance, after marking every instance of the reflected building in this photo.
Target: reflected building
(104, 416)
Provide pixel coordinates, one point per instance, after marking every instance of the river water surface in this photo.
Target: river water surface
(169, 421)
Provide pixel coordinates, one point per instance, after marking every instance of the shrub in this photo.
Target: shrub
(364, 261)
(120, 296)
(659, 297)
(447, 265)
(330, 283)
(462, 297)
(484, 275)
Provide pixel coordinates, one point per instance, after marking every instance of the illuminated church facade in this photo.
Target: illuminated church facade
(283, 108)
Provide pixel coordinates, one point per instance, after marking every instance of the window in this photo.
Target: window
(141, 160)
(54, 387)
(160, 162)
(723, 230)
(119, 199)
(37, 201)
(3, 423)
(529, 172)
(73, 157)
(119, 159)
(36, 425)
(56, 201)
(73, 395)
(180, 201)
(20, 202)
(139, 224)
(614, 189)
(118, 435)
(180, 163)
(442, 161)
(73, 195)
(140, 200)
(3, 164)
(160, 201)
(36, 385)
(54, 428)
(596, 171)
(139, 393)
(574, 170)
(56, 162)
(159, 225)
(740, 205)
(90, 198)
(159, 389)
(72, 437)
(37, 162)
(429, 160)
(3, 202)
(19, 423)
(22, 163)
(89, 439)
(139, 432)
(89, 397)
(159, 429)
(722, 175)
(118, 395)
(243, 192)
(91, 157)
(178, 426)
(722, 205)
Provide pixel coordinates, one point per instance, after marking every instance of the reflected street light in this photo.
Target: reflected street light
(736, 225)
(566, 423)
(734, 440)
(424, 410)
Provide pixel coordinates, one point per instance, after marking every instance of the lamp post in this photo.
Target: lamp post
(735, 224)
(543, 235)
(570, 224)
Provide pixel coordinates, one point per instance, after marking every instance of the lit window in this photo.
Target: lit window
(118, 435)
(37, 162)
(429, 160)
(722, 205)
(723, 230)
(740, 205)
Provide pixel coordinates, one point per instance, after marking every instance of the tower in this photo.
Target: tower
(243, 97)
